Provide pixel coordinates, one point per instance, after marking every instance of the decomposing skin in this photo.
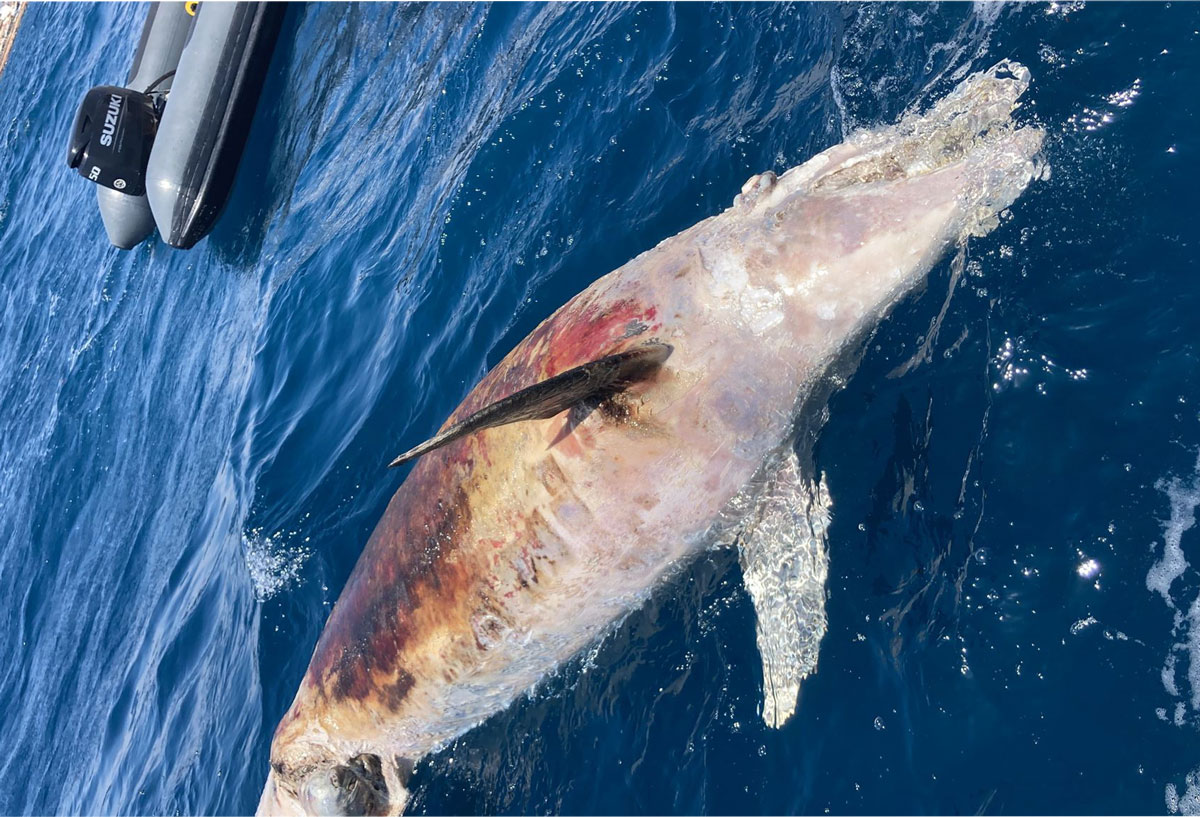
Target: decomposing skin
(509, 550)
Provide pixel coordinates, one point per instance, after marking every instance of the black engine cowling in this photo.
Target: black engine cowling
(111, 140)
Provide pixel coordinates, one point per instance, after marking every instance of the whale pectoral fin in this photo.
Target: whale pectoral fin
(785, 565)
(542, 401)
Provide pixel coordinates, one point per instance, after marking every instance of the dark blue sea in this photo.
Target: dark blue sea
(192, 444)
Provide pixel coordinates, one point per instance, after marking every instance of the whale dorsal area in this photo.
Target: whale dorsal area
(541, 401)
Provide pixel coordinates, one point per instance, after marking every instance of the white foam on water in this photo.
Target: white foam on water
(1083, 623)
(1193, 649)
(273, 561)
(1168, 676)
(1184, 498)
(1189, 801)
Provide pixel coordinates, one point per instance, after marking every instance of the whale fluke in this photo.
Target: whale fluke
(541, 401)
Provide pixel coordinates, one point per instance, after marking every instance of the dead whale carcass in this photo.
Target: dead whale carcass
(650, 417)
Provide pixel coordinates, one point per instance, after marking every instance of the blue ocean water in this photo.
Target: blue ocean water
(193, 442)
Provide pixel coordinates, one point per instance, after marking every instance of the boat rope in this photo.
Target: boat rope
(150, 88)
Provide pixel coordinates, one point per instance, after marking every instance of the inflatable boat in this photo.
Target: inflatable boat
(164, 149)
(10, 20)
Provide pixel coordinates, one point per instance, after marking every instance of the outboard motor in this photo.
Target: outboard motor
(111, 140)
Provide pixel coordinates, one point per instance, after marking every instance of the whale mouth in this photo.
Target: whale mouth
(967, 147)
(975, 119)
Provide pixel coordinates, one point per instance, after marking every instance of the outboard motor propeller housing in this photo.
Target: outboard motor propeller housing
(111, 140)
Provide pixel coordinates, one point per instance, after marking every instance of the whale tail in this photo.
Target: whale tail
(367, 784)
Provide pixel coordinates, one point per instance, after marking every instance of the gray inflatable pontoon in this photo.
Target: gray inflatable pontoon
(164, 149)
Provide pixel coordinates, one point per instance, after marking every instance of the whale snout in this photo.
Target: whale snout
(973, 122)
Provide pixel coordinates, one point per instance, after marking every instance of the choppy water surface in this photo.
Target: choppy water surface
(193, 443)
